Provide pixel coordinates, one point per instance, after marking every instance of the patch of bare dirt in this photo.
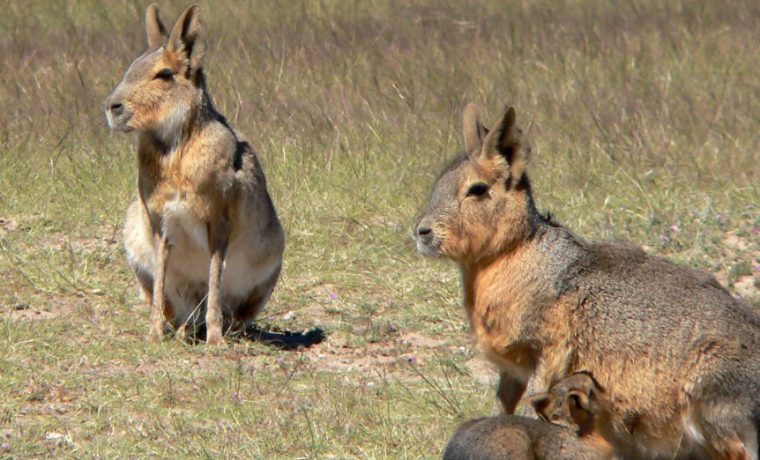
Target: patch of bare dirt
(46, 399)
(7, 225)
(733, 241)
(37, 392)
(319, 306)
(104, 239)
(740, 250)
(417, 340)
(394, 351)
(482, 371)
(365, 360)
(748, 287)
(54, 307)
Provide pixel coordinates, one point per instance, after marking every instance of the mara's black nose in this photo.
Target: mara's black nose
(424, 231)
(117, 109)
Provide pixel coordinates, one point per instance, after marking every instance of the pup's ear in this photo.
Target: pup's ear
(578, 400)
(540, 403)
(154, 27)
(579, 408)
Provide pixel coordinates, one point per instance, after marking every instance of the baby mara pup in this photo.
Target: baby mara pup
(202, 207)
(676, 354)
(568, 437)
(576, 403)
(512, 437)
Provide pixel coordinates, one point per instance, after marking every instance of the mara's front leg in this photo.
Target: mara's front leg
(219, 233)
(533, 387)
(158, 304)
(510, 390)
(518, 362)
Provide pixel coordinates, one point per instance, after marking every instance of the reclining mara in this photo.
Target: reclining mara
(676, 354)
(512, 437)
(203, 229)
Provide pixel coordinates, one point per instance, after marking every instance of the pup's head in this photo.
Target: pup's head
(573, 402)
(479, 205)
(163, 86)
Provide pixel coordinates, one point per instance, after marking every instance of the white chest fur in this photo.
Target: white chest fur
(190, 254)
(183, 228)
(246, 263)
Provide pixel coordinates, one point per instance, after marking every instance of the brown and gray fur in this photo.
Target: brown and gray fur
(676, 354)
(511, 437)
(203, 229)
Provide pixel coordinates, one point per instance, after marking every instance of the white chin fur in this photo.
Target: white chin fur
(170, 130)
(112, 124)
(109, 119)
(428, 250)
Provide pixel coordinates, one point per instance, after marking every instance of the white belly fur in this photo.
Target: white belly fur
(186, 283)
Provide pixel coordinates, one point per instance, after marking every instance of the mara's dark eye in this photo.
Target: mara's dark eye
(478, 189)
(165, 74)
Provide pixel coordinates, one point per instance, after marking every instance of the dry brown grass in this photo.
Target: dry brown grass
(644, 121)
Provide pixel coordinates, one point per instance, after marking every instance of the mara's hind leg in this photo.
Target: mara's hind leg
(729, 431)
(252, 305)
(145, 281)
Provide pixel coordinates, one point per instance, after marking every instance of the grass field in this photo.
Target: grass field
(644, 118)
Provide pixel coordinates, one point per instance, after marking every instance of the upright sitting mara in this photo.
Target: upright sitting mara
(203, 232)
(678, 356)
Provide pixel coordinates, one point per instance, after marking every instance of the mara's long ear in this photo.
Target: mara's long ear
(540, 402)
(474, 131)
(505, 140)
(154, 27)
(186, 39)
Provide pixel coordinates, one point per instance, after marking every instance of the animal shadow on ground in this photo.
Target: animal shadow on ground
(270, 335)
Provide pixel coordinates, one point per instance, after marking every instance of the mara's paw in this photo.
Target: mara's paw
(155, 336)
(214, 338)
